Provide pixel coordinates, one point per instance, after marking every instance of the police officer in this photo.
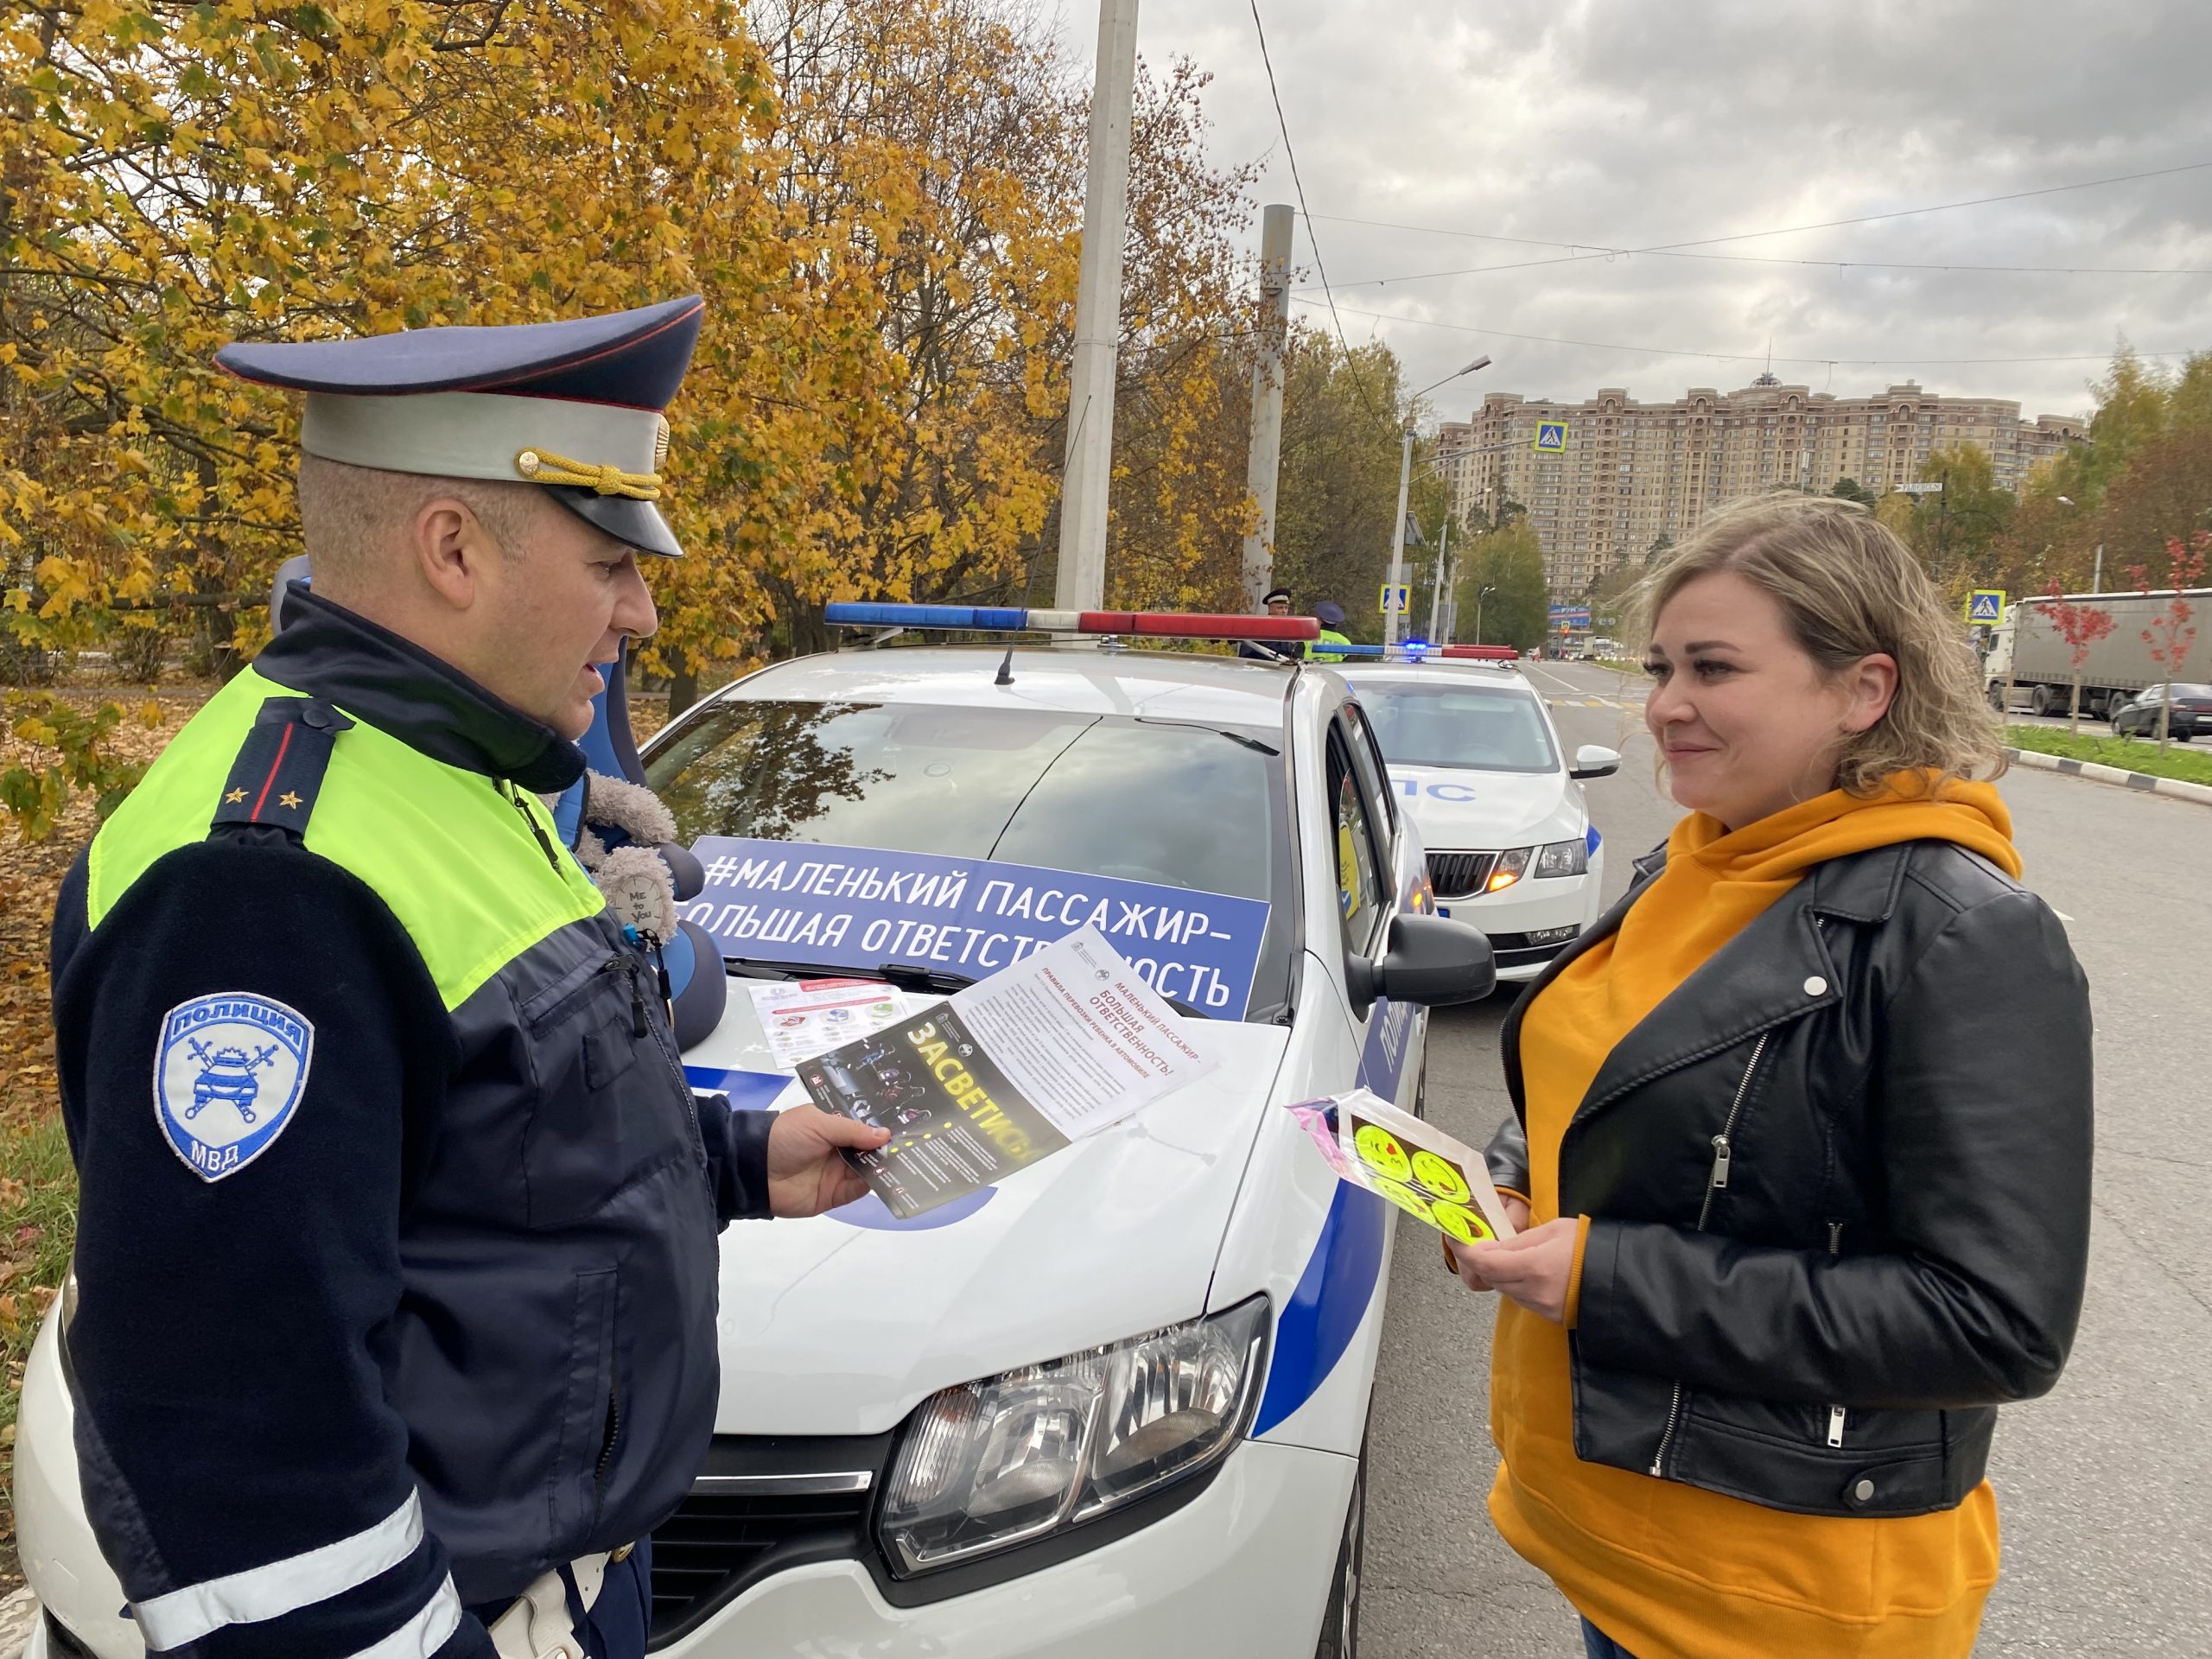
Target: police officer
(1331, 616)
(1274, 602)
(396, 1266)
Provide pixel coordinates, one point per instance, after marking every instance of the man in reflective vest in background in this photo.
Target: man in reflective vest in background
(397, 1260)
(1331, 616)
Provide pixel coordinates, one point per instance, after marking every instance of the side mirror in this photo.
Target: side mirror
(1594, 760)
(1429, 960)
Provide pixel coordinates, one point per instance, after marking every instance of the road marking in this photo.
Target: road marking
(2061, 914)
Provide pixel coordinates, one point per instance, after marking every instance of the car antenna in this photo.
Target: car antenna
(1004, 676)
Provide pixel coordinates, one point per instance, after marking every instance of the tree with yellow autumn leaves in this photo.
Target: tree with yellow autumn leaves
(881, 201)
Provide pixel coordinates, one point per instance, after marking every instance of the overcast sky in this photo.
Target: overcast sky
(1629, 123)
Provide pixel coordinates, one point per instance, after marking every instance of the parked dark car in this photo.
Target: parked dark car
(2137, 716)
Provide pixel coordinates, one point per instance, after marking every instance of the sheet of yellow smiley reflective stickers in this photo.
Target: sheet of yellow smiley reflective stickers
(1392, 1153)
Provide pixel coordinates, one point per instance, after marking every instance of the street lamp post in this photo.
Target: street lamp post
(1482, 591)
(1393, 622)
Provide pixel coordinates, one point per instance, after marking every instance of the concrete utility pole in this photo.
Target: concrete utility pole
(1090, 469)
(1265, 463)
(1436, 588)
(1393, 622)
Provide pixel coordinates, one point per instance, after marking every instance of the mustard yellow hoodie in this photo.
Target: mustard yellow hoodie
(1668, 1571)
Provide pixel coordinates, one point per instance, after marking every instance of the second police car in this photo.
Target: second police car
(1118, 1403)
(1476, 763)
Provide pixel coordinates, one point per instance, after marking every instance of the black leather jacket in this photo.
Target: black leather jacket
(1839, 1180)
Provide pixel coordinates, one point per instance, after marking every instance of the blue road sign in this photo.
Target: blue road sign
(1986, 605)
(1551, 438)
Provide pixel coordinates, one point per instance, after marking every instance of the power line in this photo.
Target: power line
(1282, 125)
(1605, 253)
(1748, 357)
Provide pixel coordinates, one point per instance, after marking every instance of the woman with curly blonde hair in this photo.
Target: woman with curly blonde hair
(1802, 1133)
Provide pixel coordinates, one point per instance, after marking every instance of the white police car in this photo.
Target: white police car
(1116, 1404)
(1476, 761)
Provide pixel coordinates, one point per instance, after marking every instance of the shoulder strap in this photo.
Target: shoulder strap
(279, 768)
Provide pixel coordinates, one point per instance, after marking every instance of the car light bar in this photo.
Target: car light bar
(1008, 618)
(1414, 652)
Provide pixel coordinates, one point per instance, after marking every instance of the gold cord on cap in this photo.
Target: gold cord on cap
(541, 467)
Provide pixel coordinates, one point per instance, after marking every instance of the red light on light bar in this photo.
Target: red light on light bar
(1479, 654)
(1168, 625)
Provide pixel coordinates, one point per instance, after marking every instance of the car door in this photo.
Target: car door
(1377, 869)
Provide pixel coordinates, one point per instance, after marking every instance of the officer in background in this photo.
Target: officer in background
(395, 1324)
(1276, 602)
(1331, 616)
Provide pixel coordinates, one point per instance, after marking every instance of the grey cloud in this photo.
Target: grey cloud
(1630, 121)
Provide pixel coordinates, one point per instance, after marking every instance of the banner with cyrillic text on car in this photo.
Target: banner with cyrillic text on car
(821, 906)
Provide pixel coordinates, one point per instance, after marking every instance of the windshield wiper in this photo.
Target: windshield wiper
(918, 976)
(1194, 726)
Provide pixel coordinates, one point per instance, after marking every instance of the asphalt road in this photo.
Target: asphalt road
(2105, 1487)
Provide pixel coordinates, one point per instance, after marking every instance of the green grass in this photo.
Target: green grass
(2189, 765)
(38, 1230)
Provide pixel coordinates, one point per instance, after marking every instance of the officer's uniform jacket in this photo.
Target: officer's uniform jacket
(396, 1258)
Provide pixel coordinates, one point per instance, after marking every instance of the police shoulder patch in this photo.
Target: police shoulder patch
(228, 1074)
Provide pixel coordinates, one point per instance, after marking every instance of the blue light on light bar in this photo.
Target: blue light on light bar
(983, 619)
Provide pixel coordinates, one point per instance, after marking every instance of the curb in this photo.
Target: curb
(2097, 770)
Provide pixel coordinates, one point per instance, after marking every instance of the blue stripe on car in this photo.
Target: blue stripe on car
(748, 1092)
(1340, 1277)
(1590, 839)
(1325, 1309)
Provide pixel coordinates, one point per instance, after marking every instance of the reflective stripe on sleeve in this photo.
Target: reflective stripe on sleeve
(424, 1634)
(281, 1587)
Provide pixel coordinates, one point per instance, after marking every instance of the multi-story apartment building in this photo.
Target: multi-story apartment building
(1631, 472)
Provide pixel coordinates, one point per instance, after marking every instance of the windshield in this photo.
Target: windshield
(1444, 722)
(1178, 805)
(2192, 692)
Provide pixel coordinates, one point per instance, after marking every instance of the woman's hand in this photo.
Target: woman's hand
(1516, 1211)
(1532, 1269)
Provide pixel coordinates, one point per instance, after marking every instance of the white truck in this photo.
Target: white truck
(2027, 649)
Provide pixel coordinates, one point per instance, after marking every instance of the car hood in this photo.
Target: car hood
(841, 1325)
(1461, 811)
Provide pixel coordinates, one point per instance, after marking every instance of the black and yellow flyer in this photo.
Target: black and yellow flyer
(1395, 1155)
(1055, 1047)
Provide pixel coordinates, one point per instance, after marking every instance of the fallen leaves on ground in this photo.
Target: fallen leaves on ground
(38, 1197)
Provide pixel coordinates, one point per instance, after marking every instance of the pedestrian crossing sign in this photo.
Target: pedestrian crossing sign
(1986, 605)
(1551, 438)
(1393, 602)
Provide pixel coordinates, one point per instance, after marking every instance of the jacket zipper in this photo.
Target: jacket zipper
(1714, 1181)
(669, 1057)
(618, 963)
(1835, 1412)
(536, 830)
(607, 1446)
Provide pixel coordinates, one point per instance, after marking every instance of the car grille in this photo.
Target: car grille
(712, 1544)
(761, 1504)
(1459, 875)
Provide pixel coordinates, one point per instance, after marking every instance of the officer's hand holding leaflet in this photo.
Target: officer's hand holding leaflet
(807, 1171)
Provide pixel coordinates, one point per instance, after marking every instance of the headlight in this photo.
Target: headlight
(1563, 858)
(994, 1464)
(1508, 868)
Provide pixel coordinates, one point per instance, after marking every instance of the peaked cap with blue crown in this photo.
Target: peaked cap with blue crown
(575, 406)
